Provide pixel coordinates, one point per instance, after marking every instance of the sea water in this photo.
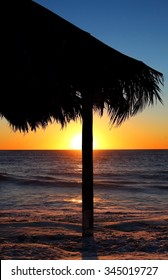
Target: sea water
(140, 174)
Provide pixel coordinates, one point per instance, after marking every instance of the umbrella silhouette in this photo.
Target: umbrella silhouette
(54, 71)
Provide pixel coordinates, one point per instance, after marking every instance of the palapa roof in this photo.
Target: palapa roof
(49, 64)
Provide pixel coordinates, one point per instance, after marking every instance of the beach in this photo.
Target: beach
(138, 239)
(40, 205)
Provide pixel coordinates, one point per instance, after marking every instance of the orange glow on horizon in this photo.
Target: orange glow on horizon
(145, 131)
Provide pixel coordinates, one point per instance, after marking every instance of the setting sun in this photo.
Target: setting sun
(76, 142)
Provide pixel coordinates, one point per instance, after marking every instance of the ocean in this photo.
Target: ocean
(40, 205)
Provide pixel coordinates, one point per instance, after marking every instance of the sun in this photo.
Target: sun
(76, 142)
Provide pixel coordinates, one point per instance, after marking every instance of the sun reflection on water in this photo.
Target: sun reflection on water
(74, 200)
(79, 200)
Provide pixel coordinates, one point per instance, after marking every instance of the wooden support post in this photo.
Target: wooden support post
(87, 167)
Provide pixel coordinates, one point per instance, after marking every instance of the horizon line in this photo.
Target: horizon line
(114, 149)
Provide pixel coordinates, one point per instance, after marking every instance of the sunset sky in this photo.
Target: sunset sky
(135, 28)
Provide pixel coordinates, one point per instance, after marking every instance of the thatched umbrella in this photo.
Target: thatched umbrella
(54, 71)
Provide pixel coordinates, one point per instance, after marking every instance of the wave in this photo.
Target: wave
(116, 184)
(5, 177)
(36, 181)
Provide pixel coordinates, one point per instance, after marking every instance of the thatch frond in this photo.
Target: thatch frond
(31, 113)
(131, 94)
